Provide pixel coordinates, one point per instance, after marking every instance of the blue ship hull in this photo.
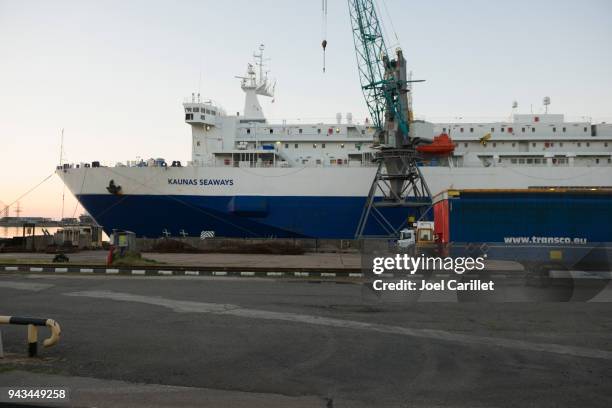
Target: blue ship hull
(236, 216)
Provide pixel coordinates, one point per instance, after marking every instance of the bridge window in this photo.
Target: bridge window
(286, 145)
(554, 129)
(492, 130)
(532, 130)
(271, 131)
(314, 146)
(189, 116)
(465, 145)
(248, 131)
(523, 130)
(585, 129)
(300, 131)
(196, 109)
(295, 146)
(579, 144)
(563, 130)
(588, 144)
(319, 131)
(461, 130)
(322, 145)
(471, 130)
(533, 145)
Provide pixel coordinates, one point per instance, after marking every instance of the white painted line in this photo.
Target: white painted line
(247, 273)
(165, 273)
(355, 275)
(113, 271)
(192, 273)
(36, 269)
(11, 268)
(36, 287)
(219, 273)
(581, 274)
(301, 274)
(328, 275)
(138, 272)
(184, 306)
(274, 274)
(86, 270)
(61, 270)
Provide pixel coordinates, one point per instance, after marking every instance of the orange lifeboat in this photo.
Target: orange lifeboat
(441, 146)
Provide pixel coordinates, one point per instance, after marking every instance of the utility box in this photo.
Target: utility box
(124, 241)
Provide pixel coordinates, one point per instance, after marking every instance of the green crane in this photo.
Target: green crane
(398, 181)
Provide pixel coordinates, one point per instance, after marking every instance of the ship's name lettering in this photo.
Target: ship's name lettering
(201, 182)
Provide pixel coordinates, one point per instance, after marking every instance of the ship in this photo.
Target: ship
(248, 177)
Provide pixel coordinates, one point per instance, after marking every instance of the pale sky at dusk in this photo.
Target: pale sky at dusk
(113, 74)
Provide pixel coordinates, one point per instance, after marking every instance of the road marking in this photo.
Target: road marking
(328, 275)
(183, 306)
(247, 273)
(274, 274)
(581, 274)
(113, 271)
(138, 272)
(61, 270)
(302, 274)
(11, 268)
(36, 287)
(219, 273)
(165, 273)
(86, 270)
(192, 273)
(355, 275)
(36, 269)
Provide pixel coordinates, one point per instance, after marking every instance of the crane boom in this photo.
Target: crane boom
(383, 80)
(398, 182)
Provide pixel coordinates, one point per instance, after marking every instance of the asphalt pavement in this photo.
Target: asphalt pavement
(234, 342)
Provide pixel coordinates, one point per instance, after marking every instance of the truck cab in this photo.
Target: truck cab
(422, 233)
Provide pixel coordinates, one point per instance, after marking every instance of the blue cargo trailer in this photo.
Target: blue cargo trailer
(518, 216)
(556, 224)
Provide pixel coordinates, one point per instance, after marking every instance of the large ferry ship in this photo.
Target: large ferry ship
(252, 178)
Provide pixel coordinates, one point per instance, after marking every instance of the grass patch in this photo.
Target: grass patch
(134, 259)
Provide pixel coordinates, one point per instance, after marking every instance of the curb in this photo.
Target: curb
(263, 273)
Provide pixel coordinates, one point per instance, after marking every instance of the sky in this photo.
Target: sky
(113, 74)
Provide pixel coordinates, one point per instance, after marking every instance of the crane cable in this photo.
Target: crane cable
(324, 29)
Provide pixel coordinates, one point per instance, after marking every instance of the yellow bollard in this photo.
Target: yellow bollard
(32, 340)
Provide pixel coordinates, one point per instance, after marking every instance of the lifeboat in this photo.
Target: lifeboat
(441, 146)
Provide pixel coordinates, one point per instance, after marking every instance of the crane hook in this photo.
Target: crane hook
(324, 45)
